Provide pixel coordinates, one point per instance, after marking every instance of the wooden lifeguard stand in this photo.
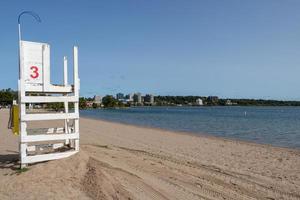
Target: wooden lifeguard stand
(34, 86)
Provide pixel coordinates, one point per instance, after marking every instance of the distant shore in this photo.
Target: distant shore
(131, 162)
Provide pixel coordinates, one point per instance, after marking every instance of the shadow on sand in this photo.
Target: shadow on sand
(9, 161)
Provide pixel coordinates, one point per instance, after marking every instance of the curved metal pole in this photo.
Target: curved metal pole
(37, 18)
(33, 14)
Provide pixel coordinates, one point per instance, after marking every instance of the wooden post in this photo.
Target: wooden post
(66, 103)
(76, 94)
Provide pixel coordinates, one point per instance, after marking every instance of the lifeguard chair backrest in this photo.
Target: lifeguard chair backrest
(35, 66)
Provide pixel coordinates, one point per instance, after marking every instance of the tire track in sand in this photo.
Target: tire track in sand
(266, 192)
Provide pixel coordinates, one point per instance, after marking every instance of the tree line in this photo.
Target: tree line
(187, 100)
(8, 95)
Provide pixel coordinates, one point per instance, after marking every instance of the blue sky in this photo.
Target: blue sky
(232, 48)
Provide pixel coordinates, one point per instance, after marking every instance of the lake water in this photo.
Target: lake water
(279, 126)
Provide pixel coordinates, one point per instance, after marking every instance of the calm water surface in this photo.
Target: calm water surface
(278, 126)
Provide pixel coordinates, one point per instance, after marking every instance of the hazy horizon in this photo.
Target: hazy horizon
(230, 49)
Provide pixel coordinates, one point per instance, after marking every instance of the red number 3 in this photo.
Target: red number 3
(35, 72)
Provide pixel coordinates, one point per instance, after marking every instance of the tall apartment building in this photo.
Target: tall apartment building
(129, 97)
(120, 96)
(137, 98)
(149, 99)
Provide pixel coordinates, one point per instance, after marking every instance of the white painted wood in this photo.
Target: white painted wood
(45, 157)
(33, 54)
(31, 148)
(59, 88)
(23, 152)
(65, 71)
(49, 116)
(51, 88)
(59, 130)
(46, 66)
(66, 103)
(52, 137)
(56, 130)
(48, 99)
(75, 72)
(50, 130)
(58, 145)
(76, 125)
(77, 144)
(38, 55)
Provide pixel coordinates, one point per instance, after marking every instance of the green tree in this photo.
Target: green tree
(82, 103)
(109, 101)
(120, 104)
(58, 106)
(95, 105)
(7, 96)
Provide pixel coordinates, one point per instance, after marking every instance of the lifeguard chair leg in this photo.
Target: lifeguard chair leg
(66, 104)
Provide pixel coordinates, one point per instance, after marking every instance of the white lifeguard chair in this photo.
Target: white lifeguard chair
(34, 86)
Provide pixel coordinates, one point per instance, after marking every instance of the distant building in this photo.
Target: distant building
(228, 102)
(149, 99)
(97, 99)
(199, 102)
(89, 104)
(213, 99)
(120, 96)
(129, 97)
(137, 98)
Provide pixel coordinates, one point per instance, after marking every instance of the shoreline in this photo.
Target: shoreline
(193, 134)
(121, 161)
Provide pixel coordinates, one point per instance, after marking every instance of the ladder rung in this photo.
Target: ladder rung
(49, 116)
(52, 137)
(49, 156)
(48, 99)
(50, 89)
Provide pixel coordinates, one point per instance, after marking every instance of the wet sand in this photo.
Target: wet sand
(118, 161)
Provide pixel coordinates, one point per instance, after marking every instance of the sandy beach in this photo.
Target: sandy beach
(118, 161)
